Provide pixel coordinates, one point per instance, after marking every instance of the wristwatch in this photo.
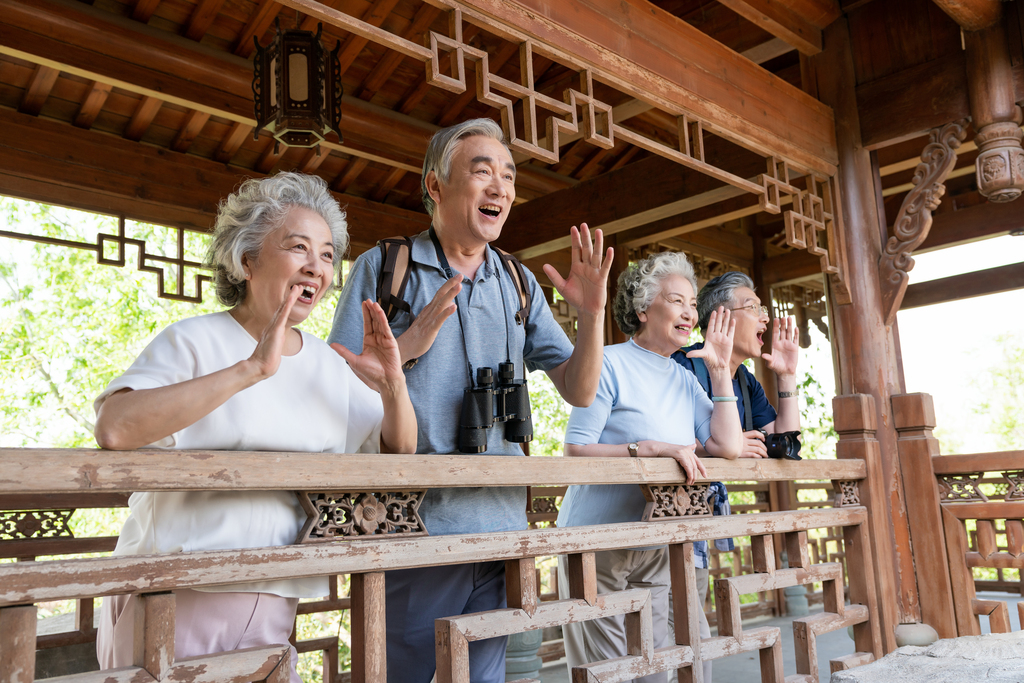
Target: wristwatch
(634, 450)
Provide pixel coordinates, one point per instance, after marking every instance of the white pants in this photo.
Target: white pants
(600, 639)
(204, 623)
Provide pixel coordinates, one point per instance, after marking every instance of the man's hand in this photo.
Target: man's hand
(785, 347)
(416, 340)
(586, 288)
(753, 445)
(718, 338)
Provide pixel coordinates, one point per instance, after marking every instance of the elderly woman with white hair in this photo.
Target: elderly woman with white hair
(247, 379)
(647, 406)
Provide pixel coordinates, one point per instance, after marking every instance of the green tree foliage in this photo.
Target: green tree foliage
(1003, 384)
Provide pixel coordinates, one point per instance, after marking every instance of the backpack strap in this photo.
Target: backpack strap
(518, 275)
(396, 253)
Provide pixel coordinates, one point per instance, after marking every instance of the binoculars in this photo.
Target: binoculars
(485, 404)
(784, 445)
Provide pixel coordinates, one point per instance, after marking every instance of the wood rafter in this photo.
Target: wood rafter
(232, 141)
(202, 18)
(257, 25)
(272, 153)
(373, 16)
(312, 161)
(39, 87)
(425, 16)
(194, 123)
(144, 10)
(783, 20)
(385, 186)
(100, 172)
(915, 217)
(144, 114)
(349, 175)
(92, 104)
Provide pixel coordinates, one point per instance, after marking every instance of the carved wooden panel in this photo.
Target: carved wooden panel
(915, 217)
(25, 524)
(846, 493)
(342, 514)
(672, 502)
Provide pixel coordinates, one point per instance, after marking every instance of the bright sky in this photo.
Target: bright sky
(947, 347)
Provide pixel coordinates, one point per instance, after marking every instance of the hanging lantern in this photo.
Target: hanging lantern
(296, 87)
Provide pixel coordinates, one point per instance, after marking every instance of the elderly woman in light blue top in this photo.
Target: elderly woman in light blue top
(647, 406)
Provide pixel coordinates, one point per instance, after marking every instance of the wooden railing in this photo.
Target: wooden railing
(36, 474)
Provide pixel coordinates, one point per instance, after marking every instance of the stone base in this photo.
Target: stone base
(993, 658)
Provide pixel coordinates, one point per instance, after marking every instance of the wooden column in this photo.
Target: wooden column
(369, 663)
(914, 417)
(18, 644)
(866, 350)
(856, 422)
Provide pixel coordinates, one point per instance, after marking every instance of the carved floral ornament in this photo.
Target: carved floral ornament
(340, 515)
(31, 524)
(966, 487)
(1000, 163)
(674, 501)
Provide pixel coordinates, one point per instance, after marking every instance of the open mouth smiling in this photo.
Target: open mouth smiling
(308, 292)
(490, 210)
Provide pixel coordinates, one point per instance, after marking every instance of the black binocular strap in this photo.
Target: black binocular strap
(748, 414)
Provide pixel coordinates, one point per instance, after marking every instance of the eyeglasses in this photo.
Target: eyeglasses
(755, 309)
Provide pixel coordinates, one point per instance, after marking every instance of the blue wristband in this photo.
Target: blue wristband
(725, 399)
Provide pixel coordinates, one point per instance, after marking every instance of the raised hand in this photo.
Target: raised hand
(718, 338)
(586, 287)
(785, 347)
(416, 340)
(379, 366)
(266, 357)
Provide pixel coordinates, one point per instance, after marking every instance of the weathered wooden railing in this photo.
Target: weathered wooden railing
(366, 556)
(949, 494)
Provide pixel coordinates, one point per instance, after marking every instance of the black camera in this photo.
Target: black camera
(485, 404)
(784, 445)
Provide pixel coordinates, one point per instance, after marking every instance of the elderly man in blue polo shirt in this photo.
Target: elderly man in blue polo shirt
(468, 188)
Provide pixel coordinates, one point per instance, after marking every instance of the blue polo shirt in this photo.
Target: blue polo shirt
(762, 410)
(488, 304)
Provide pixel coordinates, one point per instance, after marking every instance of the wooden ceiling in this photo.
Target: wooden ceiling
(143, 108)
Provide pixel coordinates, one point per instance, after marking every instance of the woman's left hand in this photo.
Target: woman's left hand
(717, 351)
(379, 366)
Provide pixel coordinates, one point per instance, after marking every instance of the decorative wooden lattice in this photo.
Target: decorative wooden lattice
(343, 514)
(24, 524)
(672, 502)
(846, 493)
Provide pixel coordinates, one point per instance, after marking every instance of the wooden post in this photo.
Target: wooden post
(154, 633)
(855, 423)
(685, 603)
(914, 416)
(613, 335)
(18, 644)
(867, 350)
(369, 660)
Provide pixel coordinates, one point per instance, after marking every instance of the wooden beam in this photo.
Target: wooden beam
(272, 153)
(638, 194)
(92, 104)
(966, 286)
(202, 18)
(911, 102)
(38, 90)
(374, 16)
(972, 15)
(776, 47)
(194, 123)
(349, 175)
(780, 21)
(385, 186)
(648, 53)
(144, 114)
(144, 9)
(983, 221)
(46, 161)
(232, 141)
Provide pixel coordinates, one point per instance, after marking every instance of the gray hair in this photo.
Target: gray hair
(641, 282)
(442, 148)
(720, 291)
(256, 209)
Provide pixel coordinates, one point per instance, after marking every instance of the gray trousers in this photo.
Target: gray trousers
(600, 639)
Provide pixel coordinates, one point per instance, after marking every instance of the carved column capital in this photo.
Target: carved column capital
(915, 216)
(1000, 163)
